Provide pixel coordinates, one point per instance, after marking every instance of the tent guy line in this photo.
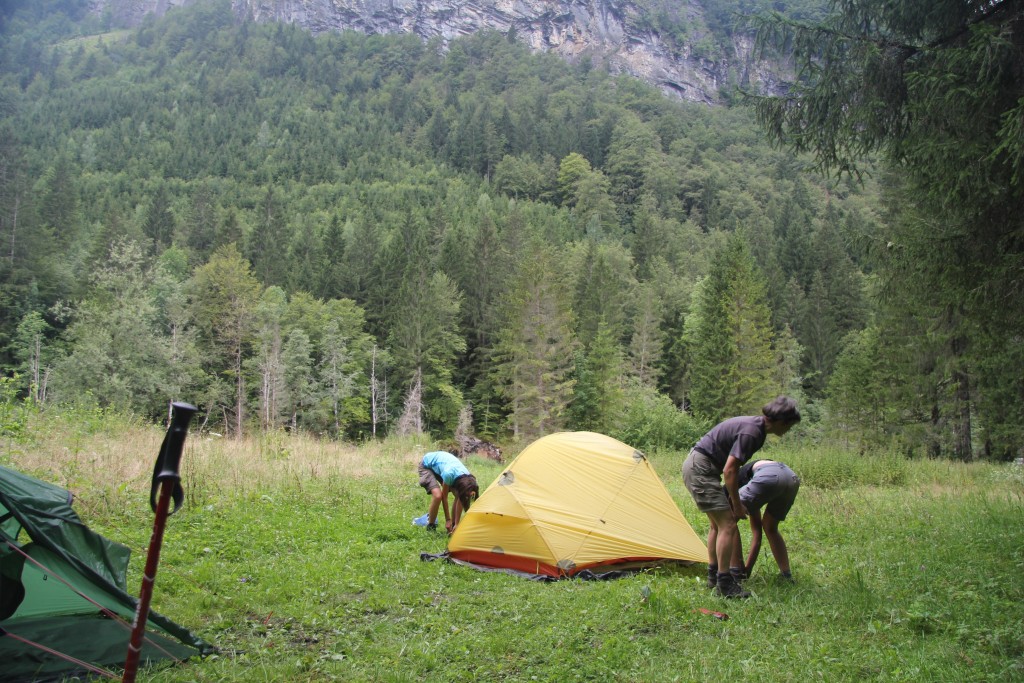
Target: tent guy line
(114, 616)
(63, 591)
(99, 671)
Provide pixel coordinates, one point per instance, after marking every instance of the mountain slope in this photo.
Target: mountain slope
(620, 35)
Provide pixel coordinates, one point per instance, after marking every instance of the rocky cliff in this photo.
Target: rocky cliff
(604, 30)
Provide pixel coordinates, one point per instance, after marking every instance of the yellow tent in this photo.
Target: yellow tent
(575, 501)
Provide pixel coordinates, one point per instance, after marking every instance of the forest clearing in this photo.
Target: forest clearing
(296, 559)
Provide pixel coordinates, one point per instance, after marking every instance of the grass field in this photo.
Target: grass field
(297, 559)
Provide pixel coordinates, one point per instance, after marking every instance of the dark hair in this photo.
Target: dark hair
(466, 489)
(781, 409)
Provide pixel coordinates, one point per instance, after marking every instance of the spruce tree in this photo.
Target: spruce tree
(224, 295)
(935, 88)
(599, 392)
(730, 368)
(532, 358)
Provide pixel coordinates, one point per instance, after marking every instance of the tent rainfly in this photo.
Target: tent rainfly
(574, 502)
(64, 609)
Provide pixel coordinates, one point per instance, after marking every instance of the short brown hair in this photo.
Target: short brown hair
(781, 409)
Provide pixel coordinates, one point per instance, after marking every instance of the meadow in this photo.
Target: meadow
(297, 559)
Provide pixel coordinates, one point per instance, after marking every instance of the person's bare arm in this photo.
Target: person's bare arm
(755, 540)
(730, 477)
(444, 504)
(776, 543)
(456, 515)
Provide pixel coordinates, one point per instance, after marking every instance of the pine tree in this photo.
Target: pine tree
(267, 243)
(31, 350)
(57, 206)
(599, 392)
(159, 224)
(861, 403)
(894, 79)
(330, 261)
(731, 368)
(224, 296)
(631, 144)
(200, 225)
(299, 381)
(531, 361)
(425, 342)
(341, 337)
(267, 365)
(604, 286)
(647, 343)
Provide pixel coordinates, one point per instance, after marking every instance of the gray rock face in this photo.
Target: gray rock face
(604, 30)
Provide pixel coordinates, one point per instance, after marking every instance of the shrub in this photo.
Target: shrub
(652, 422)
(14, 412)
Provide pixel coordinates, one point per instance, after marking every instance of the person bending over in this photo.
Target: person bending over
(441, 472)
(716, 459)
(773, 486)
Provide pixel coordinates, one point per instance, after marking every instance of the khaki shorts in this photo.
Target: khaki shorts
(428, 480)
(704, 482)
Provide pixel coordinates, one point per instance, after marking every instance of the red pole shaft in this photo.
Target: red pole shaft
(131, 664)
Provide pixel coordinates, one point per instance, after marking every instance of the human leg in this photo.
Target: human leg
(776, 512)
(776, 543)
(712, 553)
(725, 545)
(432, 485)
(704, 483)
(736, 566)
(435, 504)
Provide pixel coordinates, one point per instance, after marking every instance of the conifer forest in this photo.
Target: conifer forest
(351, 235)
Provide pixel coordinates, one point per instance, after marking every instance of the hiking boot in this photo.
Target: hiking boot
(432, 527)
(712, 578)
(727, 587)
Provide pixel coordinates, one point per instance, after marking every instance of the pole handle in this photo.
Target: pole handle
(169, 460)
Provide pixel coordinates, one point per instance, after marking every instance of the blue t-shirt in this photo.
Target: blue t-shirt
(445, 465)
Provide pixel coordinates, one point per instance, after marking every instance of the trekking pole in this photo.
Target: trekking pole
(167, 480)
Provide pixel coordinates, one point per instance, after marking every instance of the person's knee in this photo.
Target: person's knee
(724, 524)
(435, 493)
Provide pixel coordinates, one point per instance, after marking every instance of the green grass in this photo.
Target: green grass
(300, 563)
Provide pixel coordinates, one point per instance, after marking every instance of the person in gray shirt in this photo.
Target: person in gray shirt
(716, 459)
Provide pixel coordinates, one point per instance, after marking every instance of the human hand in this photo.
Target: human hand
(740, 511)
(449, 526)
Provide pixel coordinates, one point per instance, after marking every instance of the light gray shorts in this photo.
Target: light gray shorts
(704, 482)
(774, 485)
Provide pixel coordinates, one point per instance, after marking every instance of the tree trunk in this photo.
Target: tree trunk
(239, 392)
(961, 413)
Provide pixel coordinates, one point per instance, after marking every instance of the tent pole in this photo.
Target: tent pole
(167, 479)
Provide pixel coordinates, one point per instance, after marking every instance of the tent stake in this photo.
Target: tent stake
(167, 479)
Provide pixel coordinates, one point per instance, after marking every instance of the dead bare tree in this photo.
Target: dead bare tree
(411, 421)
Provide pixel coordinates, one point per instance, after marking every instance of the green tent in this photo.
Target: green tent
(63, 589)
